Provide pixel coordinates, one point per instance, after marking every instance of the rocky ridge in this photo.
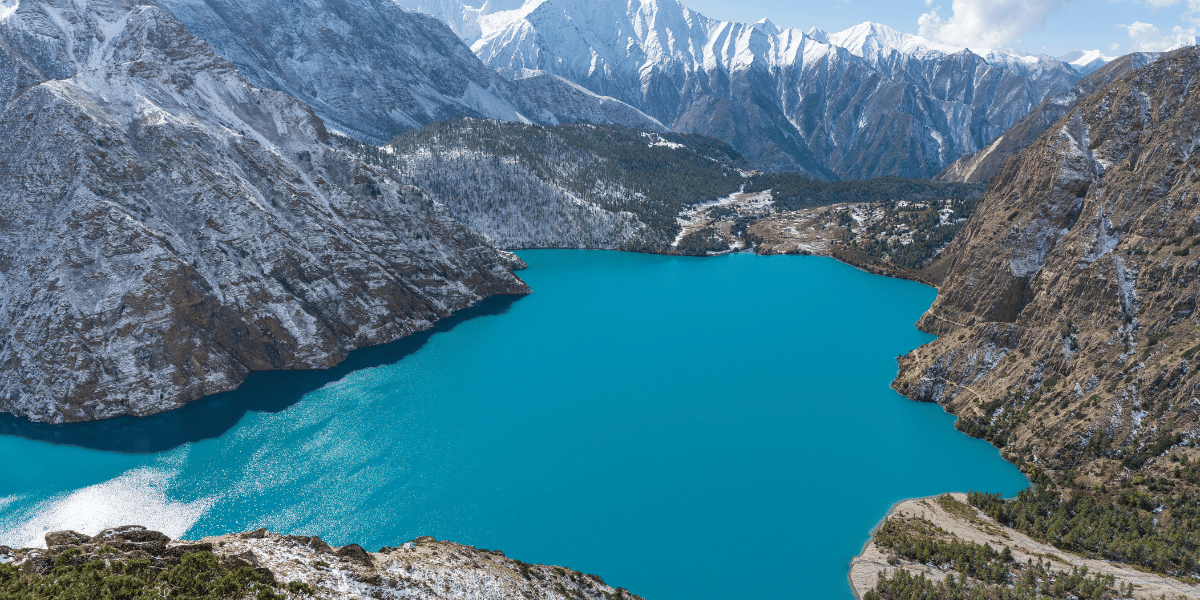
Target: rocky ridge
(1067, 310)
(1067, 335)
(421, 568)
(167, 227)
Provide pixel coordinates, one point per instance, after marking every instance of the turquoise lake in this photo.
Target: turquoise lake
(684, 427)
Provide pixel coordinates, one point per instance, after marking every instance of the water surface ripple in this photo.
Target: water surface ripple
(686, 428)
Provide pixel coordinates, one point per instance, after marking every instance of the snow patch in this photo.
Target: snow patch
(8, 7)
(656, 140)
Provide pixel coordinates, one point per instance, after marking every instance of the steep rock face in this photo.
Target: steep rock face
(861, 103)
(980, 166)
(166, 227)
(1067, 312)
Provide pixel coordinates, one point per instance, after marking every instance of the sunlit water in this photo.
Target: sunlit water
(686, 428)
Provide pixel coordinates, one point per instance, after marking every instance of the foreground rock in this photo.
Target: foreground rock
(166, 227)
(422, 568)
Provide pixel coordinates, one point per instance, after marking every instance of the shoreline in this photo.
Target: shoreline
(871, 541)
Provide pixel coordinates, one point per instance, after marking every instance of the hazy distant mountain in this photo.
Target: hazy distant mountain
(1086, 61)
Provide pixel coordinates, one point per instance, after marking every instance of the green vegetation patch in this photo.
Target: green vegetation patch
(1036, 582)
(198, 575)
(922, 542)
(1119, 526)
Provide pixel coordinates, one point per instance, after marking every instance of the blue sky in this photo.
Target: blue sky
(1052, 27)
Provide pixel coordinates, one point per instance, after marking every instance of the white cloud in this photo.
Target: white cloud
(987, 23)
(1162, 3)
(1148, 38)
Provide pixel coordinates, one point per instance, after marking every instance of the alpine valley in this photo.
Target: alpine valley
(195, 190)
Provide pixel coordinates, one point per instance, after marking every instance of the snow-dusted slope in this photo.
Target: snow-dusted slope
(864, 102)
(572, 186)
(367, 67)
(165, 227)
(373, 69)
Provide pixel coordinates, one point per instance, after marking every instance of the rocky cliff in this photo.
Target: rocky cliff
(167, 227)
(1067, 310)
(263, 564)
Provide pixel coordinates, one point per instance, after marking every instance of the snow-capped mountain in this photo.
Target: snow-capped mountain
(372, 69)
(864, 102)
(1086, 61)
(167, 227)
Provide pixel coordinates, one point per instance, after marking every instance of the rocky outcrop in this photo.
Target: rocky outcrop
(980, 166)
(422, 568)
(1067, 311)
(167, 227)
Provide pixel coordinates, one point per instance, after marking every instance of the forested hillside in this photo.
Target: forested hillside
(613, 187)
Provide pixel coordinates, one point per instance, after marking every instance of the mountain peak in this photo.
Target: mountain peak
(875, 38)
(766, 26)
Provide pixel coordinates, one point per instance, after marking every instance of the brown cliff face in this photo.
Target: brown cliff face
(1067, 313)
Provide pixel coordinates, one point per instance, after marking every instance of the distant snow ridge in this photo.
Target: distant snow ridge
(1086, 61)
(864, 102)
